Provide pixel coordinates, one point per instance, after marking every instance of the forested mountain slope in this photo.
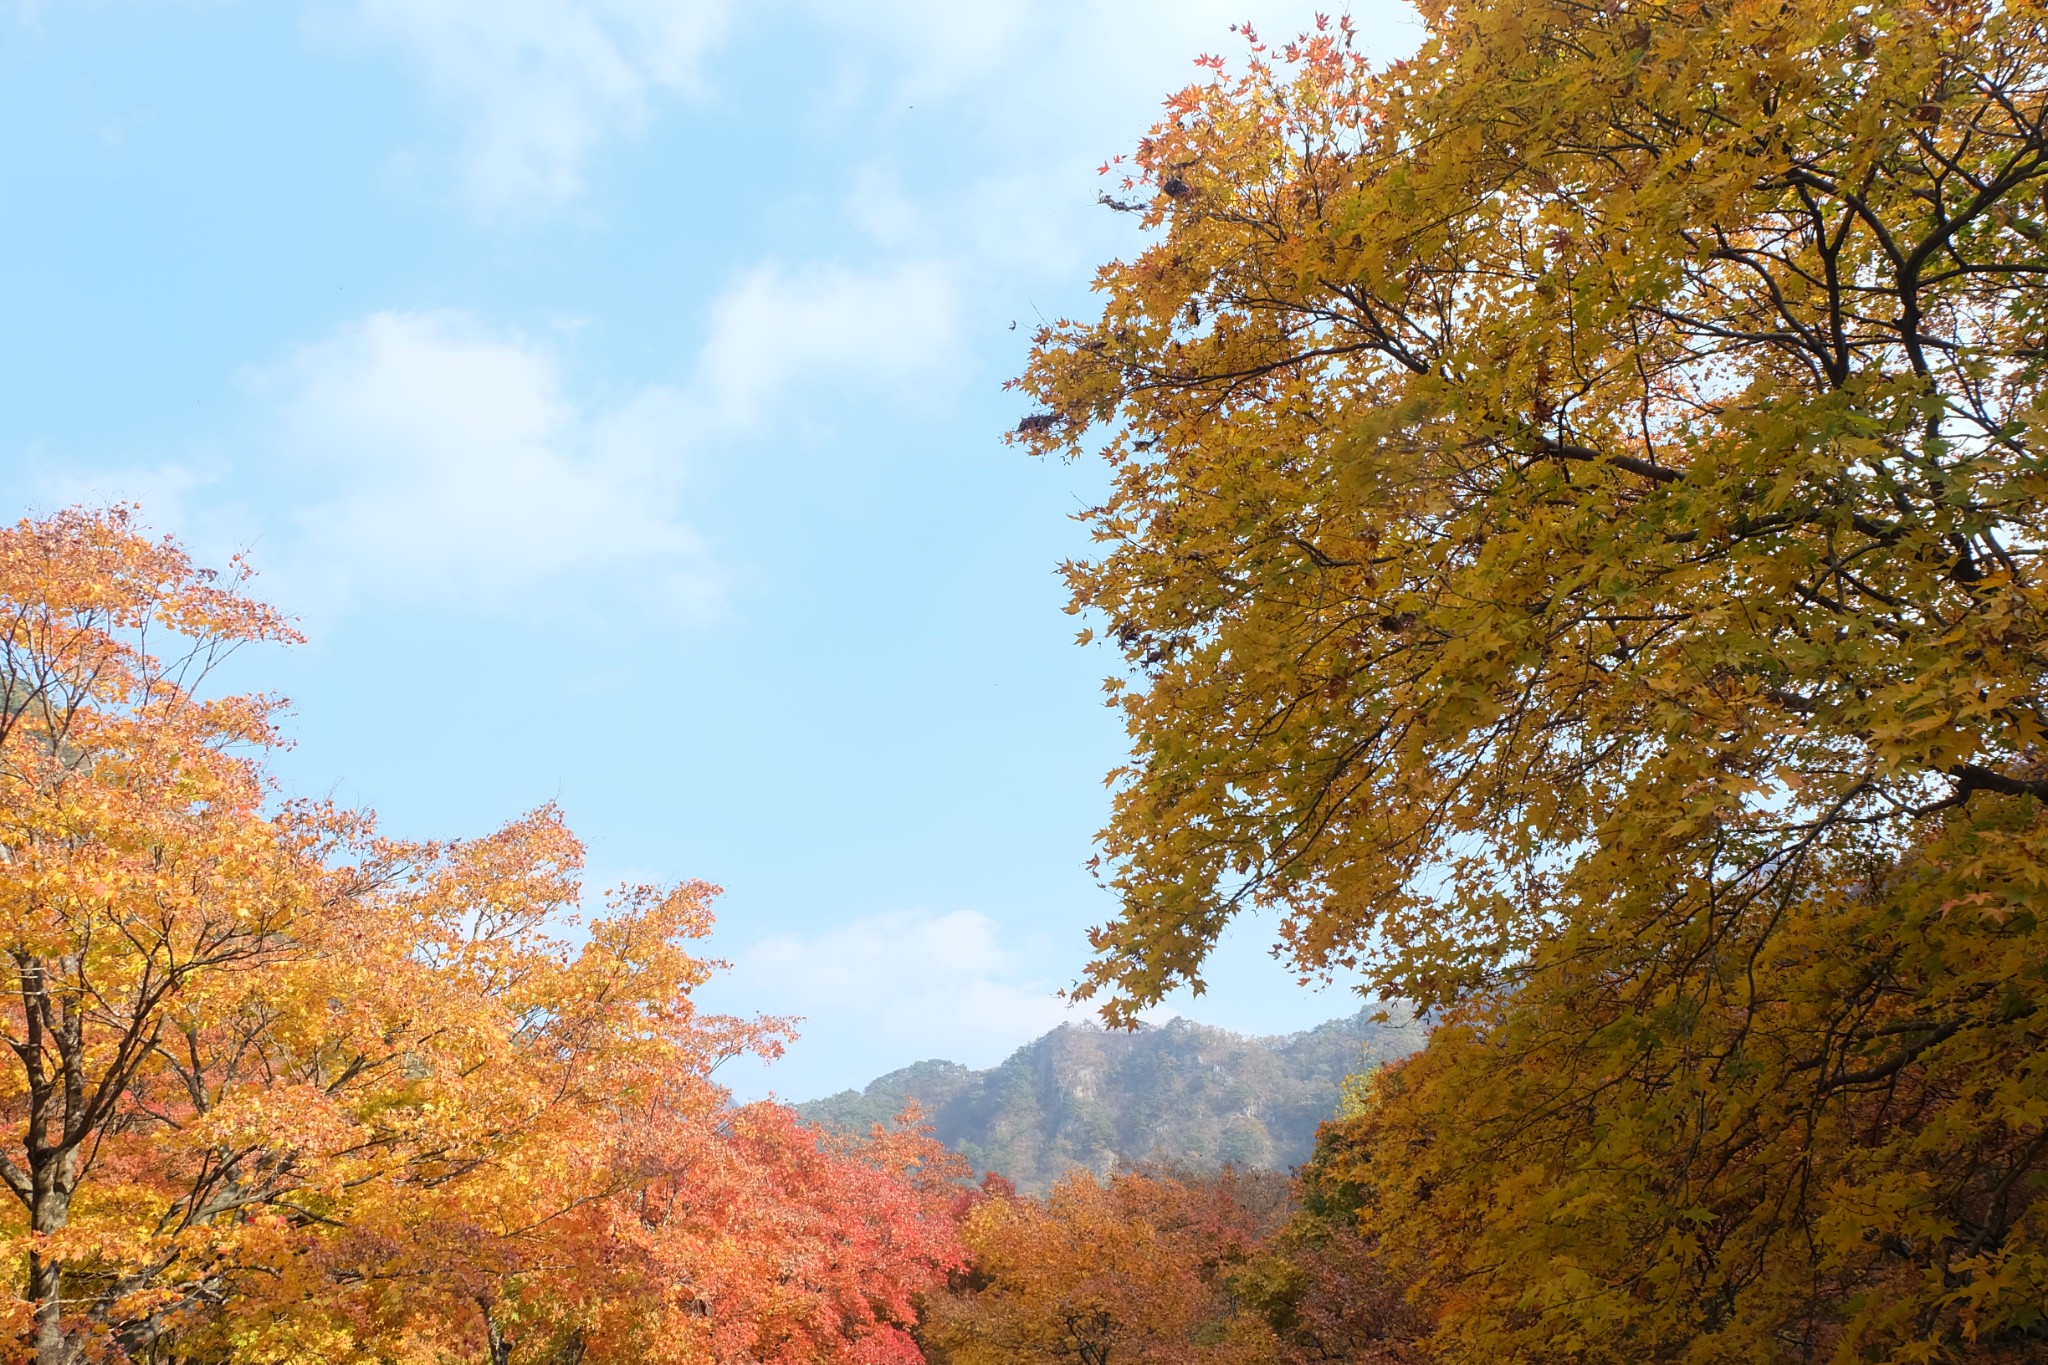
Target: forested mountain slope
(1183, 1092)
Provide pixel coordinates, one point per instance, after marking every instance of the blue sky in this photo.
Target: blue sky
(614, 390)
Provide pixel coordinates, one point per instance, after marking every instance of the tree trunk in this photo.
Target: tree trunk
(497, 1350)
(52, 1213)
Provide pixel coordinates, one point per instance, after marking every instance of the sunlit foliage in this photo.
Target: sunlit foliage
(1576, 536)
(282, 1089)
(1605, 441)
(1136, 1268)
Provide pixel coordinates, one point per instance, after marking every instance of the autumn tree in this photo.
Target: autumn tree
(767, 1241)
(1822, 1140)
(136, 862)
(1606, 439)
(1123, 1271)
(1324, 1288)
(532, 1163)
(1575, 534)
(287, 1089)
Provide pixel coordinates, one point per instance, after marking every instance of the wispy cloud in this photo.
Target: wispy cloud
(1062, 65)
(540, 82)
(883, 990)
(164, 489)
(820, 322)
(431, 455)
(435, 455)
(1048, 90)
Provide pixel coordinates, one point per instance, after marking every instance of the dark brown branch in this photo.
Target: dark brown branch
(1587, 455)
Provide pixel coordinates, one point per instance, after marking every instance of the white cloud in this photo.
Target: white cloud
(882, 991)
(436, 456)
(432, 455)
(879, 992)
(775, 326)
(542, 81)
(948, 43)
(163, 490)
(1057, 66)
(1047, 90)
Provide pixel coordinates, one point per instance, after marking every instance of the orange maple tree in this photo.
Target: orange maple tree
(1135, 1268)
(286, 1089)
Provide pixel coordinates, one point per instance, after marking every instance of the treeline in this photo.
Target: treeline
(1155, 1266)
(282, 1088)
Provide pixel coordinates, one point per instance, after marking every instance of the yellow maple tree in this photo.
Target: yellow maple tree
(1608, 437)
(1575, 535)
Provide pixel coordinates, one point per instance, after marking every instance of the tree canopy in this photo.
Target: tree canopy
(1608, 440)
(280, 1088)
(1576, 538)
(1133, 1269)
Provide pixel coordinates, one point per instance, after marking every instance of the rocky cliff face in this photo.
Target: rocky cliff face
(1184, 1093)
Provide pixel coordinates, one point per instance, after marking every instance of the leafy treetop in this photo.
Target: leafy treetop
(1609, 440)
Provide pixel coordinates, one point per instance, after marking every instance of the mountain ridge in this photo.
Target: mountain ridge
(1182, 1092)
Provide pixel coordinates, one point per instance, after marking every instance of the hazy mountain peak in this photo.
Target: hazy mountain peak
(1180, 1091)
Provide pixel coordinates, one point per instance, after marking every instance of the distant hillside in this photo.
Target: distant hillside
(1184, 1092)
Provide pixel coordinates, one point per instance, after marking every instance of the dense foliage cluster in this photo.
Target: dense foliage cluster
(1577, 537)
(1164, 1267)
(281, 1089)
